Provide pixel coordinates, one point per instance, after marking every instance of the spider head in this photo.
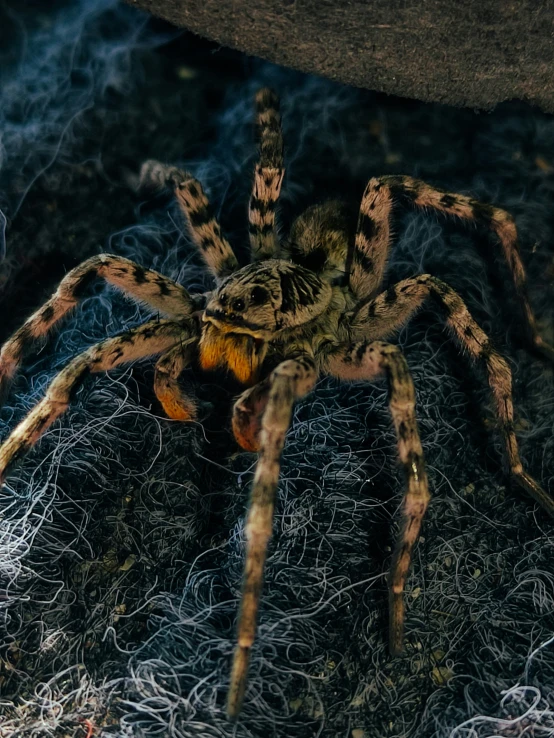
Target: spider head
(264, 298)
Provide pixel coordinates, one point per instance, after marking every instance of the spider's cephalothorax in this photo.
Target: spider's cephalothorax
(256, 306)
(311, 305)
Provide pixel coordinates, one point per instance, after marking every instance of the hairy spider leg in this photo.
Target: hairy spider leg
(391, 309)
(291, 380)
(248, 412)
(268, 177)
(372, 241)
(142, 284)
(204, 228)
(369, 360)
(146, 340)
(175, 403)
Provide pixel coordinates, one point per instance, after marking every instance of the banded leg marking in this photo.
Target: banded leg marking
(391, 309)
(146, 340)
(291, 380)
(204, 228)
(373, 236)
(268, 177)
(368, 361)
(142, 284)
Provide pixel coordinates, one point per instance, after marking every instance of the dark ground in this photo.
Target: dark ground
(121, 533)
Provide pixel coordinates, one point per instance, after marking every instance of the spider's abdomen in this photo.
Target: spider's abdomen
(320, 237)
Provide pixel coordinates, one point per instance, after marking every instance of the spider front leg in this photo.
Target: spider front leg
(382, 316)
(148, 339)
(145, 285)
(268, 177)
(291, 380)
(204, 228)
(369, 361)
(373, 237)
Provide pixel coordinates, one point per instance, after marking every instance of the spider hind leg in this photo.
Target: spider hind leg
(370, 360)
(373, 237)
(391, 309)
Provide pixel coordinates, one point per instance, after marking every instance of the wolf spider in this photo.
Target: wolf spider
(308, 305)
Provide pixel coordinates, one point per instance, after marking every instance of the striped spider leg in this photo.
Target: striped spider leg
(268, 177)
(273, 399)
(171, 338)
(373, 237)
(369, 360)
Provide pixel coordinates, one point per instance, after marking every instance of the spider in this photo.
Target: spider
(308, 305)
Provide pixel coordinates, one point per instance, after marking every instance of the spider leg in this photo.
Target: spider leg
(369, 360)
(146, 340)
(248, 413)
(166, 386)
(268, 177)
(372, 241)
(204, 228)
(391, 309)
(290, 380)
(146, 285)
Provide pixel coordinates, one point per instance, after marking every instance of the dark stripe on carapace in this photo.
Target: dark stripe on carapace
(288, 293)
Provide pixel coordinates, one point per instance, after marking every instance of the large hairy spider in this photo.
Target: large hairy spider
(308, 305)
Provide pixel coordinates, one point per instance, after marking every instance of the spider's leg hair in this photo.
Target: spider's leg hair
(248, 412)
(146, 340)
(290, 380)
(166, 385)
(368, 258)
(145, 285)
(368, 360)
(268, 177)
(204, 228)
(421, 194)
(391, 309)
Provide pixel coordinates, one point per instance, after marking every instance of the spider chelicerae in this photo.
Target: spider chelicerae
(306, 305)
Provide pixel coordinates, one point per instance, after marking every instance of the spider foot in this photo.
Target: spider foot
(239, 673)
(396, 623)
(155, 176)
(534, 489)
(247, 416)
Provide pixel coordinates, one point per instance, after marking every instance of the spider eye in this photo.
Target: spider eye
(238, 304)
(258, 295)
(223, 299)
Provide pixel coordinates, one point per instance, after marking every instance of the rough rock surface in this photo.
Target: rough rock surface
(475, 54)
